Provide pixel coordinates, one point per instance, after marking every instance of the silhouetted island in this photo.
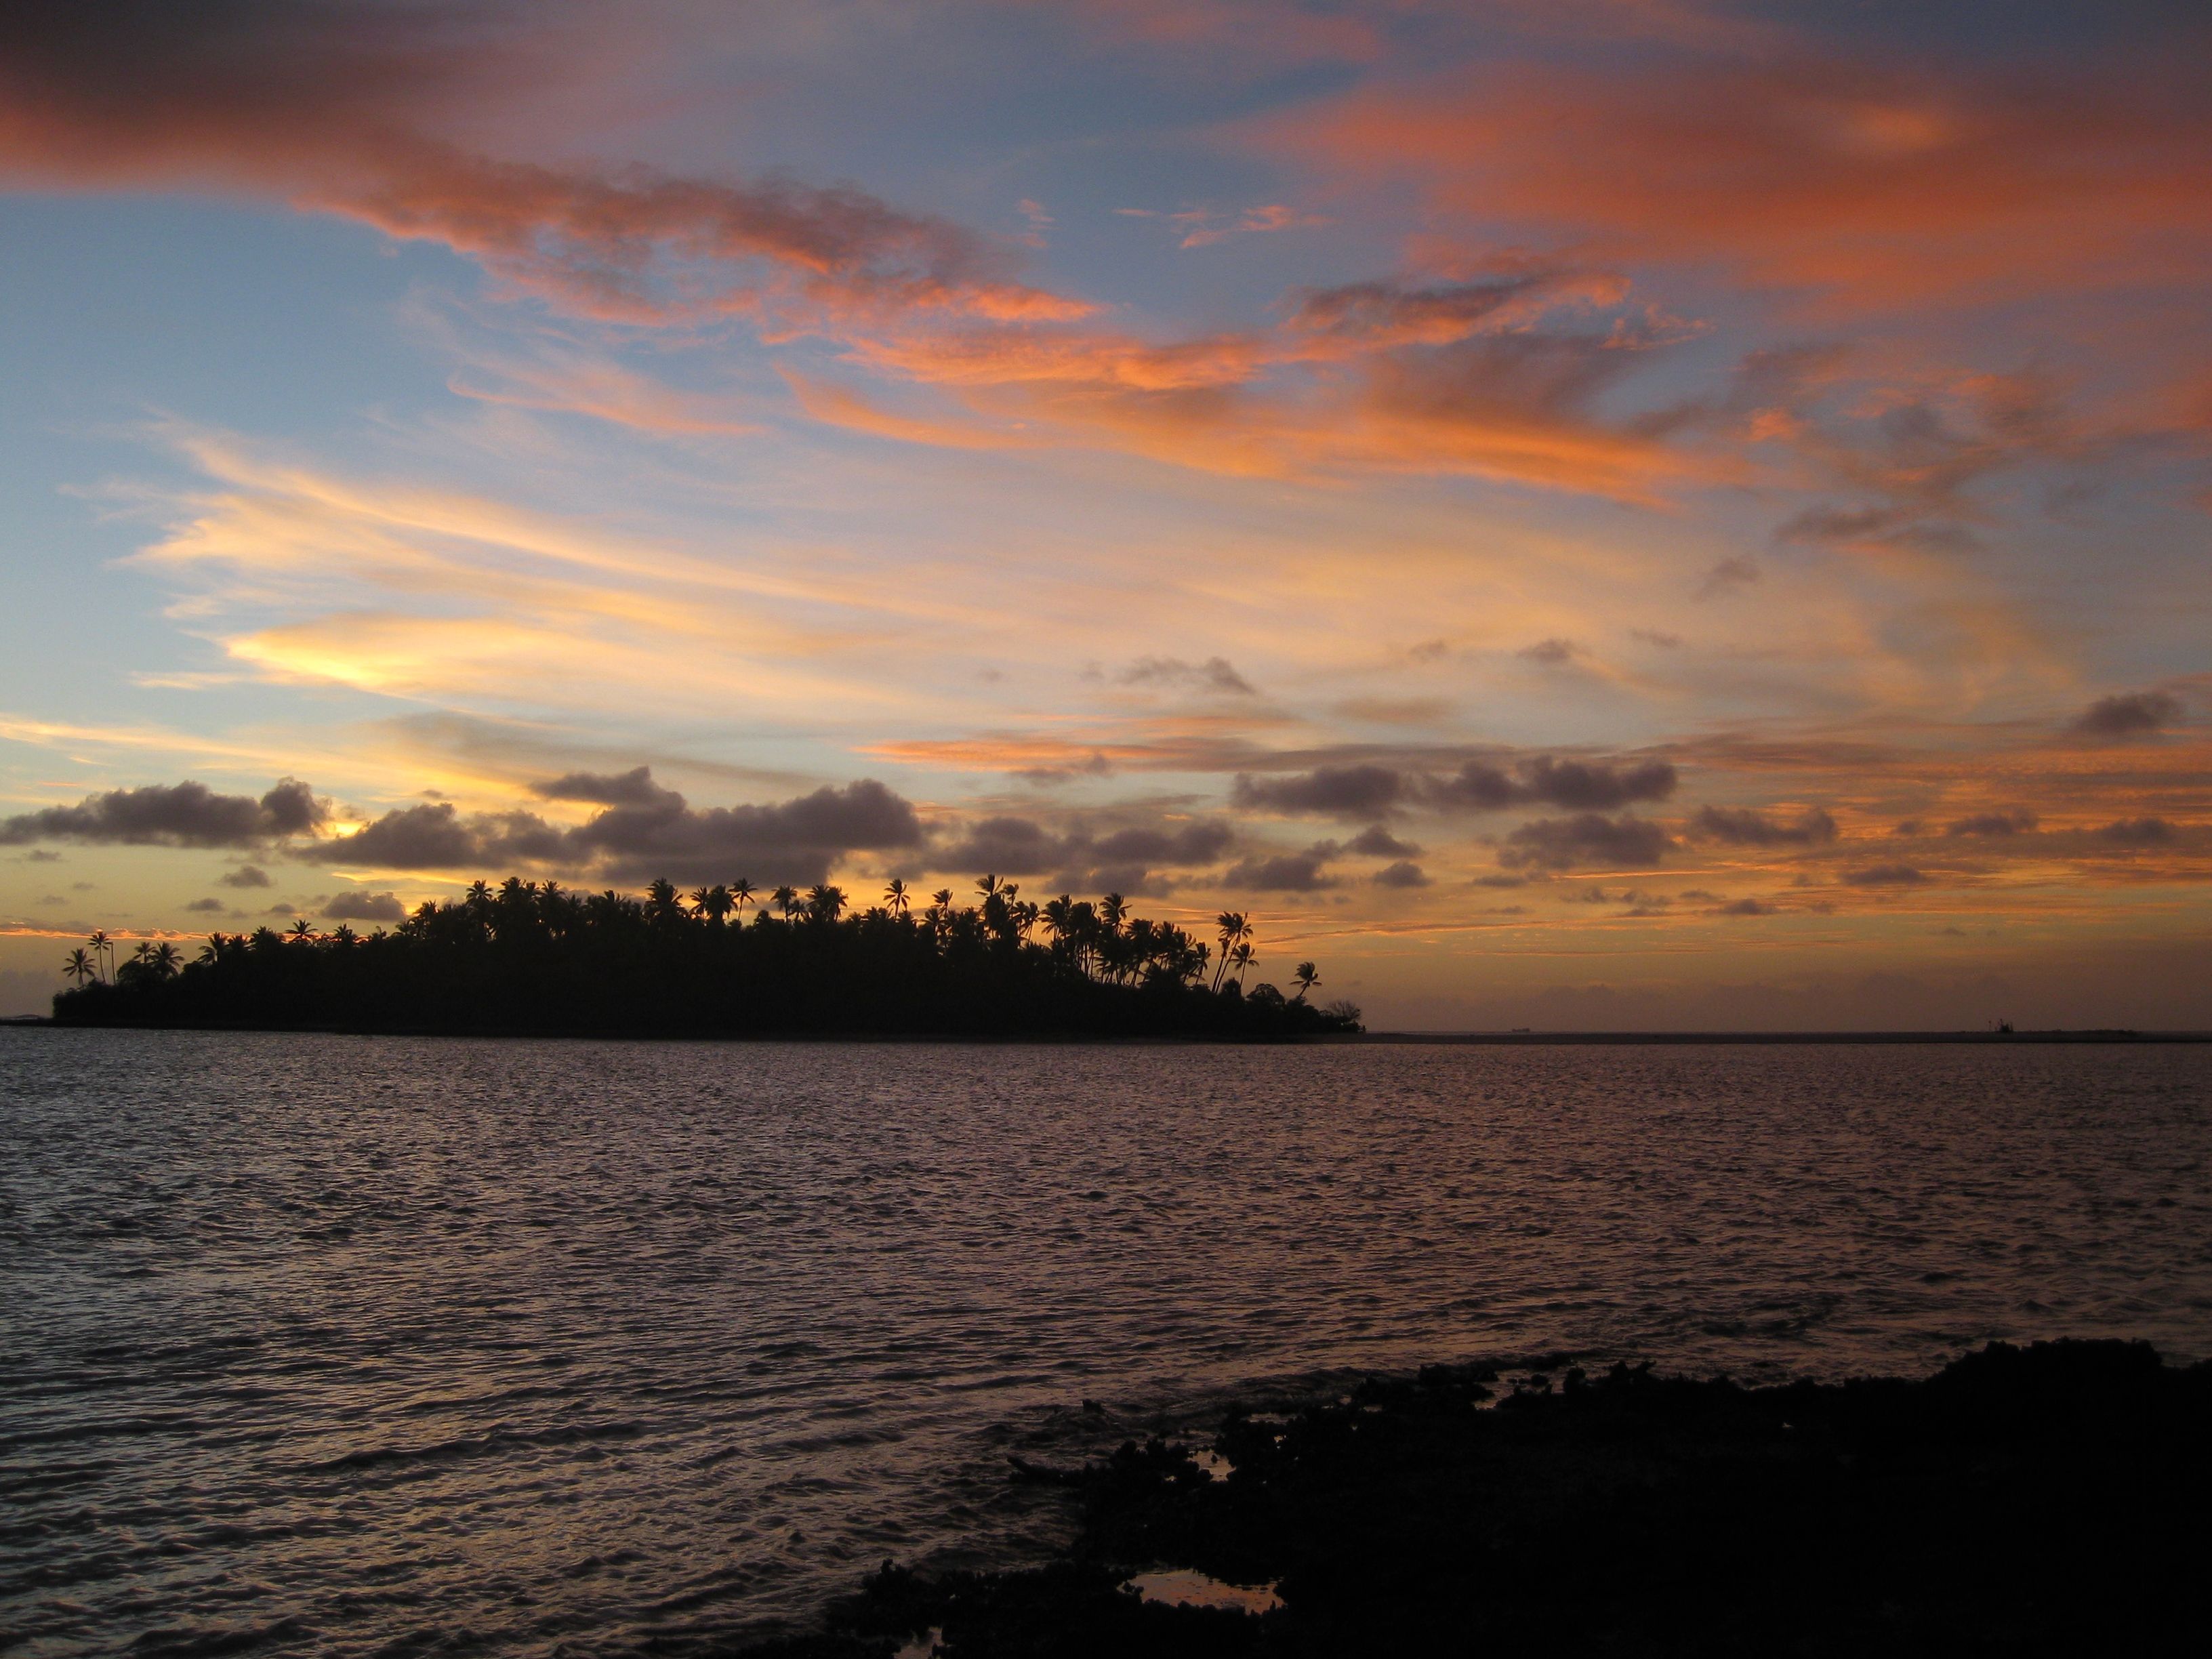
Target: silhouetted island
(2037, 1500)
(531, 957)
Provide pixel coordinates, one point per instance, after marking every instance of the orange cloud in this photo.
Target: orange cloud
(337, 113)
(1866, 184)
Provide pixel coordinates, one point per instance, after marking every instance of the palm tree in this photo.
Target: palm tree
(1112, 911)
(103, 952)
(303, 930)
(784, 899)
(988, 886)
(1244, 957)
(1305, 979)
(895, 897)
(79, 966)
(163, 958)
(942, 898)
(741, 895)
(1233, 929)
(825, 903)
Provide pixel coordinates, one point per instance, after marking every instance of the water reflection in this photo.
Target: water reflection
(350, 1343)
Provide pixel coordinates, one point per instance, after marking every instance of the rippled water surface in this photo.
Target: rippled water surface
(390, 1346)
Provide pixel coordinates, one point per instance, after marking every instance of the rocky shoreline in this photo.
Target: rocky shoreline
(2019, 1500)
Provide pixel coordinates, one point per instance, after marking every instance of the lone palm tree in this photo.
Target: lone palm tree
(1305, 979)
(741, 895)
(1233, 929)
(80, 966)
(103, 953)
(895, 897)
(1244, 957)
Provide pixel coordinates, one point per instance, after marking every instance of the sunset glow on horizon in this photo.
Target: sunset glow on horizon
(1606, 513)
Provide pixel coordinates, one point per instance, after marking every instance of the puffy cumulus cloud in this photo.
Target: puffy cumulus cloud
(1121, 860)
(1550, 653)
(437, 837)
(1586, 839)
(1886, 875)
(1352, 792)
(2012, 822)
(794, 840)
(635, 787)
(1740, 826)
(2129, 714)
(185, 814)
(1284, 872)
(1725, 577)
(336, 107)
(2139, 832)
(1215, 674)
(652, 831)
(207, 907)
(247, 875)
(1404, 873)
(1575, 786)
(1377, 842)
(365, 907)
(1005, 846)
(1369, 790)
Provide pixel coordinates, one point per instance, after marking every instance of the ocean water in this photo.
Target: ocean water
(390, 1346)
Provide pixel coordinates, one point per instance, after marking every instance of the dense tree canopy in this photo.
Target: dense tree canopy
(530, 957)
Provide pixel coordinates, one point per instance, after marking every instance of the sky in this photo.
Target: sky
(1587, 513)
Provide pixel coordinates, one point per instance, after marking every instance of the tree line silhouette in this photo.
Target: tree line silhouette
(534, 957)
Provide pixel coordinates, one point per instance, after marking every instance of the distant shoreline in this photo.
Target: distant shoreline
(1537, 1039)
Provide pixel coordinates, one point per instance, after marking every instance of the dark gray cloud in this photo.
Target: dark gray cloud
(1377, 842)
(1740, 826)
(1284, 872)
(2130, 714)
(366, 907)
(1726, 576)
(635, 787)
(2015, 821)
(1404, 873)
(207, 906)
(1005, 846)
(2138, 832)
(1334, 791)
(247, 875)
(1885, 875)
(1121, 861)
(1744, 907)
(1200, 842)
(1550, 651)
(794, 841)
(1367, 791)
(1215, 674)
(185, 814)
(1586, 838)
(652, 832)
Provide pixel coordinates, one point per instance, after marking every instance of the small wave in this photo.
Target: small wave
(493, 1444)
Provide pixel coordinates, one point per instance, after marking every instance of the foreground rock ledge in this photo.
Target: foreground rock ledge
(2020, 1500)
